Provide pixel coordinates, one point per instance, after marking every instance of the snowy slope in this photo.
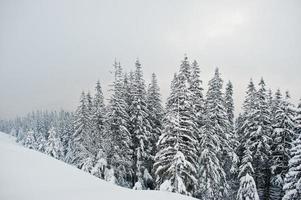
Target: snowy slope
(29, 175)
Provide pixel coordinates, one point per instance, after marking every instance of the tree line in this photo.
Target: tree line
(193, 145)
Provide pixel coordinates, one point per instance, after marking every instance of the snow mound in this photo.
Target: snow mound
(29, 175)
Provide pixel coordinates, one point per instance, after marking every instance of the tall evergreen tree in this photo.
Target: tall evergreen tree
(249, 102)
(283, 135)
(196, 95)
(155, 109)
(80, 154)
(66, 129)
(185, 70)
(120, 154)
(214, 143)
(229, 104)
(100, 138)
(98, 117)
(140, 130)
(257, 132)
(176, 159)
(54, 146)
(242, 125)
(89, 104)
(231, 165)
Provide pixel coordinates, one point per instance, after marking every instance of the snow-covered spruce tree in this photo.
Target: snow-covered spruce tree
(176, 159)
(99, 139)
(40, 131)
(81, 142)
(197, 101)
(128, 97)
(41, 142)
(249, 102)
(247, 187)
(98, 109)
(242, 126)
(292, 181)
(29, 140)
(65, 131)
(128, 82)
(140, 129)
(100, 165)
(196, 96)
(277, 179)
(155, 109)
(214, 144)
(34, 126)
(229, 104)
(257, 132)
(231, 164)
(283, 135)
(54, 145)
(120, 154)
(185, 70)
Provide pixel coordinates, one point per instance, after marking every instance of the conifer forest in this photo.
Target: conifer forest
(193, 143)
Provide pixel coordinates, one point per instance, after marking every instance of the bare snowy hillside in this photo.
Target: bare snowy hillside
(27, 174)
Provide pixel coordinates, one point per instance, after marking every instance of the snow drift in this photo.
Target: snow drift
(27, 174)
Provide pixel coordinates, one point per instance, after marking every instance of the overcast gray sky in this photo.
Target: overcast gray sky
(52, 50)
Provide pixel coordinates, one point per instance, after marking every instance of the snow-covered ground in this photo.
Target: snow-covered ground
(28, 175)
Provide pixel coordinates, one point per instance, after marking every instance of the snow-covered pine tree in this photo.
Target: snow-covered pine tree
(155, 109)
(128, 85)
(214, 144)
(140, 129)
(89, 105)
(292, 181)
(99, 140)
(229, 104)
(81, 142)
(40, 133)
(247, 187)
(283, 135)
(65, 131)
(176, 159)
(100, 166)
(171, 101)
(41, 142)
(120, 154)
(185, 70)
(98, 108)
(231, 164)
(257, 132)
(242, 124)
(249, 102)
(128, 82)
(29, 140)
(90, 138)
(54, 145)
(196, 96)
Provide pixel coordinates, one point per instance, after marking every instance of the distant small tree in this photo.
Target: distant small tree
(54, 145)
(29, 140)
